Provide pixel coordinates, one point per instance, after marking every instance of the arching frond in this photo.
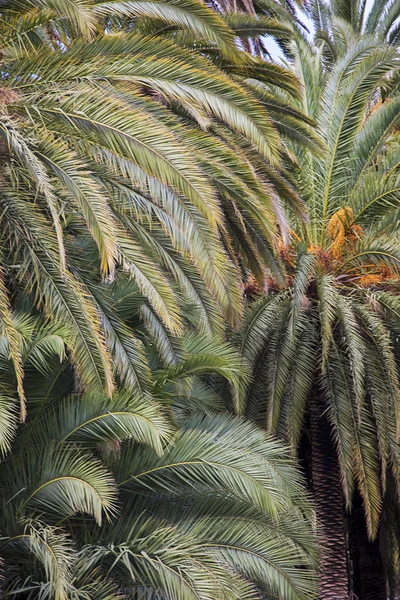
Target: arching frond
(183, 569)
(204, 356)
(13, 343)
(190, 15)
(60, 484)
(93, 419)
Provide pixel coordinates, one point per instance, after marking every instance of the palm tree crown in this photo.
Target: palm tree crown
(323, 345)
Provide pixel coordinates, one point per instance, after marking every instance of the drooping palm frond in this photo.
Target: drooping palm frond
(202, 356)
(160, 557)
(249, 26)
(43, 548)
(322, 349)
(190, 15)
(12, 340)
(88, 422)
(147, 142)
(59, 484)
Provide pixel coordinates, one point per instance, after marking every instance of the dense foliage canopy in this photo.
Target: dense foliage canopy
(120, 145)
(133, 496)
(191, 232)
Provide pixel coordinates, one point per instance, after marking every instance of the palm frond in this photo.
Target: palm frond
(204, 355)
(61, 483)
(13, 342)
(94, 419)
(47, 547)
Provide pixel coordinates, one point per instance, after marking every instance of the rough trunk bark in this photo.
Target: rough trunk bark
(327, 490)
(371, 571)
(354, 558)
(372, 575)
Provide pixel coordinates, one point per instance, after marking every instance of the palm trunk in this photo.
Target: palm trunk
(371, 571)
(372, 574)
(327, 490)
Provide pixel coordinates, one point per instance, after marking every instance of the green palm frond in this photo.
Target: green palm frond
(48, 342)
(328, 303)
(28, 158)
(373, 135)
(245, 25)
(162, 340)
(204, 356)
(8, 421)
(47, 549)
(183, 569)
(379, 252)
(261, 321)
(94, 419)
(129, 359)
(193, 462)
(89, 196)
(13, 343)
(68, 303)
(222, 510)
(270, 73)
(110, 136)
(346, 117)
(190, 15)
(61, 483)
(59, 294)
(78, 12)
(355, 442)
(257, 557)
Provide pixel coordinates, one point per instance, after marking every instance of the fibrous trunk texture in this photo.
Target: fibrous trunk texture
(368, 564)
(327, 490)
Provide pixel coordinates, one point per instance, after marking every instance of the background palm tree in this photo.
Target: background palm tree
(377, 19)
(323, 346)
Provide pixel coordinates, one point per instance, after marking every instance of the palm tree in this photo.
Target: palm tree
(377, 18)
(322, 346)
(120, 143)
(144, 496)
(262, 18)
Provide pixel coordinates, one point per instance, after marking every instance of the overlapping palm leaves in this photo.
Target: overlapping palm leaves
(150, 150)
(378, 18)
(114, 498)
